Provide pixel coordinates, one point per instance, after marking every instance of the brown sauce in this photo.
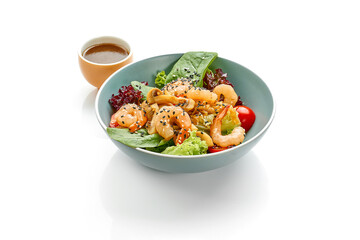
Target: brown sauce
(105, 53)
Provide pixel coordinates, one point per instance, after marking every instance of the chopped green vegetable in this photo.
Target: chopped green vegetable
(140, 139)
(160, 79)
(191, 146)
(205, 121)
(192, 65)
(230, 121)
(141, 87)
(162, 146)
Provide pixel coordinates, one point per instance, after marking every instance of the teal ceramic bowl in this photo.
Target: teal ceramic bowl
(252, 90)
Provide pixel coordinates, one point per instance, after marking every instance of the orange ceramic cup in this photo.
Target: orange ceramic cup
(97, 73)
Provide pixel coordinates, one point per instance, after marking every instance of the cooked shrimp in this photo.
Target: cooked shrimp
(199, 94)
(219, 106)
(234, 138)
(150, 114)
(129, 116)
(150, 126)
(167, 116)
(148, 109)
(228, 92)
(178, 87)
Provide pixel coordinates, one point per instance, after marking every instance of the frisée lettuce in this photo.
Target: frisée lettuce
(193, 145)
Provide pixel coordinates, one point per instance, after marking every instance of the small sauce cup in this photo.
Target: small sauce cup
(96, 73)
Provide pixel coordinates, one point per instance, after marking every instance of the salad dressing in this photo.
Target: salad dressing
(105, 53)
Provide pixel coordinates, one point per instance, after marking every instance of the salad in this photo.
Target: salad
(191, 110)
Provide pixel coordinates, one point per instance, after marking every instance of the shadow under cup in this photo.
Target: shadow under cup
(97, 73)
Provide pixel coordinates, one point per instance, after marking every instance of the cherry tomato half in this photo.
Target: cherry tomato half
(246, 116)
(215, 149)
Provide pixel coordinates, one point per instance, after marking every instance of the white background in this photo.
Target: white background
(61, 177)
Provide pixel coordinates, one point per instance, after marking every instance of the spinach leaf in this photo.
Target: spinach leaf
(141, 138)
(141, 87)
(162, 146)
(192, 65)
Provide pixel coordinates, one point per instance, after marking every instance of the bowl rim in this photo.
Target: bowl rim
(186, 156)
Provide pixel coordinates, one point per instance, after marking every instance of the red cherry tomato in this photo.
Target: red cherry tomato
(246, 116)
(216, 149)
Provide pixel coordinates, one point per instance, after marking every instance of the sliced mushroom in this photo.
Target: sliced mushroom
(164, 99)
(193, 127)
(187, 103)
(150, 98)
(205, 137)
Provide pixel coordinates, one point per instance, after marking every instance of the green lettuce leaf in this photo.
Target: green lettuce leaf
(230, 121)
(193, 145)
(192, 65)
(160, 79)
(162, 146)
(140, 139)
(141, 87)
(205, 121)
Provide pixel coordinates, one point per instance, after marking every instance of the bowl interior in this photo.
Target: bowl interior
(252, 90)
